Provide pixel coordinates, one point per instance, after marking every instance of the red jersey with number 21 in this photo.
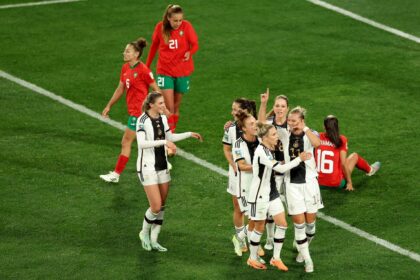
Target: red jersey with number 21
(136, 82)
(327, 157)
(171, 55)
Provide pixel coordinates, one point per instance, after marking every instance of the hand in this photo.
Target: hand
(265, 96)
(305, 156)
(106, 111)
(171, 146)
(187, 56)
(301, 125)
(197, 136)
(227, 125)
(349, 186)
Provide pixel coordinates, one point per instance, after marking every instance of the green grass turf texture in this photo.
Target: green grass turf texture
(59, 221)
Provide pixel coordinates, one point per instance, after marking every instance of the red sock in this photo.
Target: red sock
(171, 122)
(122, 161)
(362, 164)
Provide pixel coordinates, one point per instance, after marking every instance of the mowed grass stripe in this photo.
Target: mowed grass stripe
(30, 4)
(206, 164)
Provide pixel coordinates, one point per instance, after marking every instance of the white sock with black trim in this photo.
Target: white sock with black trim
(254, 244)
(157, 225)
(279, 236)
(310, 231)
(149, 218)
(302, 241)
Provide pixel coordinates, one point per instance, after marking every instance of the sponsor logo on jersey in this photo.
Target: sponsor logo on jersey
(181, 33)
(135, 74)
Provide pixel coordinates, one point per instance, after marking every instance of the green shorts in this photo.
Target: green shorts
(178, 84)
(131, 123)
(341, 186)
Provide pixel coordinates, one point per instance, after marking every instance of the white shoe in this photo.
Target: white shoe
(309, 266)
(374, 168)
(237, 245)
(145, 241)
(111, 177)
(156, 246)
(269, 244)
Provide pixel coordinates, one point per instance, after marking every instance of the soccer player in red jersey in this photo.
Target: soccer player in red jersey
(135, 80)
(333, 165)
(176, 41)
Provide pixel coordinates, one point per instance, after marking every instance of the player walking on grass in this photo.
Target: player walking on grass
(302, 190)
(135, 80)
(231, 134)
(176, 41)
(153, 134)
(278, 118)
(334, 167)
(264, 199)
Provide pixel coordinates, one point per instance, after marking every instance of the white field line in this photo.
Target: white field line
(37, 3)
(203, 163)
(366, 20)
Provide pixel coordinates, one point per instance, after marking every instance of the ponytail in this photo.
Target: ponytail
(250, 106)
(139, 45)
(332, 130)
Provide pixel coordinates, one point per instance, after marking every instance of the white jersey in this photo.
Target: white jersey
(243, 150)
(231, 134)
(263, 187)
(151, 140)
(293, 145)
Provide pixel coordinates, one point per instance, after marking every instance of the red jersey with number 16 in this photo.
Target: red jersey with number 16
(327, 157)
(136, 80)
(171, 55)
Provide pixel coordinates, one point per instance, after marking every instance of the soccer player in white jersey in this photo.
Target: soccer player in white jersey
(263, 196)
(153, 134)
(278, 118)
(231, 134)
(243, 153)
(302, 190)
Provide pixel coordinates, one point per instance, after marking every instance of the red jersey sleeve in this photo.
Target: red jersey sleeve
(155, 44)
(192, 39)
(344, 146)
(147, 75)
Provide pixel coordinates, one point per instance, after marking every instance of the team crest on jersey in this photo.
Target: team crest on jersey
(296, 144)
(181, 33)
(135, 74)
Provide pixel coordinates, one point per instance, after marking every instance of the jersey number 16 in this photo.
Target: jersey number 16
(325, 165)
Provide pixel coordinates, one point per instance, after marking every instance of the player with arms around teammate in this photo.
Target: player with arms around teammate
(263, 197)
(153, 134)
(176, 41)
(334, 167)
(302, 190)
(135, 80)
(231, 134)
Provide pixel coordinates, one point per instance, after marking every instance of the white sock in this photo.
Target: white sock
(310, 231)
(154, 233)
(248, 234)
(278, 241)
(241, 232)
(302, 241)
(254, 244)
(149, 218)
(270, 228)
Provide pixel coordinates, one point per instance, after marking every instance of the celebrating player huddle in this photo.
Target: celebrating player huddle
(271, 158)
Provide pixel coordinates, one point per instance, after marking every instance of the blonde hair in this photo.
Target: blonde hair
(166, 26)
(263, 128)
(299, 110)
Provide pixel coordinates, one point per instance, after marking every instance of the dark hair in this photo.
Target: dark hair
(150, 99)
(247, 105)
(332, 130)
(139, 45)
(166, 26)
(241, 118)
(281, 96)
(263, 128)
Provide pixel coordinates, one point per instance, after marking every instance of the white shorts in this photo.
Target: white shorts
(232, 183)
(279, 183)
(261, 210)
(243, 205)
(148, 178)
(303, 198)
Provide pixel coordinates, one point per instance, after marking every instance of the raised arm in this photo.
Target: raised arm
(262, 112)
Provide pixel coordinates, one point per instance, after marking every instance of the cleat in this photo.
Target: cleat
(269, 244)
(145, 241)
(237, 245)
(299, 258)
(111, 177)
(309, 266)
(279, 264)
(255, 264)
(244, 248)
(261, 252)
(261, 260)
(156, 246)
(374, 168)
